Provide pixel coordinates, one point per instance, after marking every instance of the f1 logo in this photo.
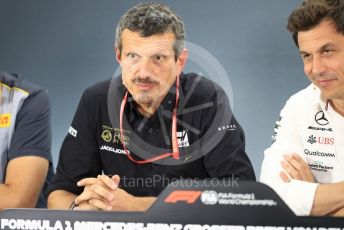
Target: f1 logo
(189, 197)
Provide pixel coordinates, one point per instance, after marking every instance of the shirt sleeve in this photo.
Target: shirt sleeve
(298, 195)
(228, 158)
(32, 133)
(79, 156)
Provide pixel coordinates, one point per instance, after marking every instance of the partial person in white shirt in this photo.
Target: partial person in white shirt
(305, 163)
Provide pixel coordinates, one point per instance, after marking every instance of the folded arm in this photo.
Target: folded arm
(328, 199)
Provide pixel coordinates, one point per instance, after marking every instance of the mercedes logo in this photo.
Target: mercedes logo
(320, 118)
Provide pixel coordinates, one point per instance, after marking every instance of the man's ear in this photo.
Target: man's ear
(118, 55)
(181, 61)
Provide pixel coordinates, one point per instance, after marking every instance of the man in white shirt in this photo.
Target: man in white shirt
(305, 164)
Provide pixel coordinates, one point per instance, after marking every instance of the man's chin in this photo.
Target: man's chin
(149, 98)
(146, 101)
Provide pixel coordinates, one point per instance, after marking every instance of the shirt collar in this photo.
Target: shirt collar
(323, 102)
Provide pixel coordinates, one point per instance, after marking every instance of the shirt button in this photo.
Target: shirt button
(169, 102)
(150, 130)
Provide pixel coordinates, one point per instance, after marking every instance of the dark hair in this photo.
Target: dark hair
(150, 19)
(311, 12)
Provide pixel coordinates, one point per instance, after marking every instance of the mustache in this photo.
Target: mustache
(146, 80)
(324, 76)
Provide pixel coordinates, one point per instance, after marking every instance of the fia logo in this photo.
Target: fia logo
(209, 197)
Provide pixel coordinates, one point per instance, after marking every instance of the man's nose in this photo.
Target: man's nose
(145, 67)
(318, 66)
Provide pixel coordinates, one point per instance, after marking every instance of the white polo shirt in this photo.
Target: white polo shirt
(316, 133)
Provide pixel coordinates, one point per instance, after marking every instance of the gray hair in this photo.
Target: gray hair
(151, 19)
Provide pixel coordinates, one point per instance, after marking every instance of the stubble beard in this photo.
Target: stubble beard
(144, 99)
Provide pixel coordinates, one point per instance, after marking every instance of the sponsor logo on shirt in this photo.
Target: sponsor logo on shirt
(277, 126)
(227, 127)
(5, 120)
(117, 136)
(312, 139)
(72, 131)
(112, 149)
(320, 140)
(320, 118)
(320, 167)
(183, 140)
(113, 135)
(106, 135)
(318, 153)
(320, 128)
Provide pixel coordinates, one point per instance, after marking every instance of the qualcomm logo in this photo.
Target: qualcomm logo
(183, 140)
(317, 153)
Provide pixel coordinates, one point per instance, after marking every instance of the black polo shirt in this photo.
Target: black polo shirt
(211, 142)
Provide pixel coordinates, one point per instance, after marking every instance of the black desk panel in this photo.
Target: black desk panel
(183, 205)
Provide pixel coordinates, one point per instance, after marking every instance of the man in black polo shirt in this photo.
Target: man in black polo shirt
(135, 133)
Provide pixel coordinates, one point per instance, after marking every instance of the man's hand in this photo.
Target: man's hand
(97, 194)
(295, 168)
(102, 193)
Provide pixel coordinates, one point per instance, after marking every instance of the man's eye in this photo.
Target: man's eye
(159, 58)
(306, 57)
(328, 52)
(132, 56)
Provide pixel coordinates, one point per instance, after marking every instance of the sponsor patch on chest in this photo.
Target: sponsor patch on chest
(5, 120)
